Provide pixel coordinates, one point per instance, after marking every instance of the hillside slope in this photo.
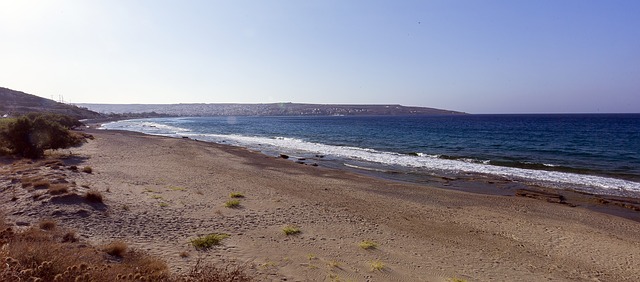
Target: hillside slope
(15, 103)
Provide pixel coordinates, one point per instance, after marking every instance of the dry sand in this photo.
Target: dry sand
(162, 192)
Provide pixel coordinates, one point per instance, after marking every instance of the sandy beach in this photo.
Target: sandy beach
(159, 193)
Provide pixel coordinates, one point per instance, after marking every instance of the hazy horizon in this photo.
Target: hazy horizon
(479, 57)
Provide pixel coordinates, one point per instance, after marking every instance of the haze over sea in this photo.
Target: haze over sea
(596, 153)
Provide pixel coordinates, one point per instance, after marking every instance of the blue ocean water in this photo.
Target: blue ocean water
(594, 153)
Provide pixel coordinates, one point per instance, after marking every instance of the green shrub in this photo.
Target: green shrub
(29, 136)
(206, 242)
(290, 230)
(232, 204)
(368, 244)
(64, 120)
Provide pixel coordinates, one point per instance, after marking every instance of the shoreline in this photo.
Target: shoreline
(161, 192)
(622, 206)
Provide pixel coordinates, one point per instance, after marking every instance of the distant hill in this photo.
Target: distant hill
(274, 109)
(15, 103)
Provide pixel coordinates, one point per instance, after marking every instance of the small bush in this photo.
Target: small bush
(47, 224)
(206, 242)
(70, 237)
(368, 244)
(377, 265)
(57, 189)
(232, 204)
(236, 195)
(290, 230)
(41, 184)
(93, 196)
(87, 169)
(116, 248)
(29, 136)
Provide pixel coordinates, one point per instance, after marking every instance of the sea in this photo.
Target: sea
(593, 153)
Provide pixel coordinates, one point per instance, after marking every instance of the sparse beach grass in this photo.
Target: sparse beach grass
(177, 188)
(376, 265)
(368, 245)
(87, 169)
(236, 195)
(116, 248)
(41, 184)
(232, 204)
(333, 264)
(47, 224)
(208, 241)
(291, 230)
(57, 189)
(94, 196)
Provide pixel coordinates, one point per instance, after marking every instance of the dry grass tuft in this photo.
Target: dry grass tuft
(291, 230)
(47, 224)
(206, 242)
(87, 169)
(41, 184)
(232, 204)
(116, 248)
(368, 244)
(93, 196)
(377, 265)
(57, 189)
(236, 195)
(70, 236)
(38, 255)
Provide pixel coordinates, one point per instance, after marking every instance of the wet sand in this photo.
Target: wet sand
(162, 192)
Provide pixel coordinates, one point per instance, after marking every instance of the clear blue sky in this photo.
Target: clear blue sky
(473, 56)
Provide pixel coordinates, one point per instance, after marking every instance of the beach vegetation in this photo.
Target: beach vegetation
(87, 169)
(291, 230)
(368, 244)
(232, 204)
(163, 204)
(41, 184)
(30, 135)
(208, 241)
(333, 264)
(47, 224)
(69, 237)
(94, 196)
(457, 280)
(376, 265)
(116, 248)
(57, 189)
(176, 188)
(35, 254)
(236, 195)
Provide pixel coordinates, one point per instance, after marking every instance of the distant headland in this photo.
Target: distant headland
(272, 109)
(16, 102)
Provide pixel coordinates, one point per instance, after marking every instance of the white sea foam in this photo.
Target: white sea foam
(145, 126)
(602, 185)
